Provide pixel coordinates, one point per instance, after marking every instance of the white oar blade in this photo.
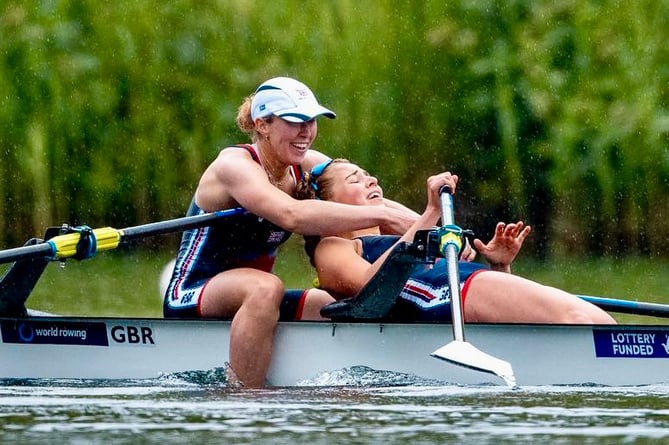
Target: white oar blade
(467, 355)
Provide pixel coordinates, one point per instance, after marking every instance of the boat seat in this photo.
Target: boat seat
(378, 296)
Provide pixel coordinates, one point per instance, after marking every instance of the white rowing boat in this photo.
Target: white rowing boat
(48, 347)
(119, 348)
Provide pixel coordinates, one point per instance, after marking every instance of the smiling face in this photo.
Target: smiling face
(290, 141)
(349, 184)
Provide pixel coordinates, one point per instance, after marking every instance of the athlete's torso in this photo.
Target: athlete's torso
(238, 240)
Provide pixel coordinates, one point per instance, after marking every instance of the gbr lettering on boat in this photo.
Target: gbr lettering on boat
(132, 335)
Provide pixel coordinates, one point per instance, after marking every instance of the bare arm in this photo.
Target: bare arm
(235, 179)
(411, 216)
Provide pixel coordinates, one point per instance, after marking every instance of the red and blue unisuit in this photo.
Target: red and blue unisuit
(426, 296)
(238, 240)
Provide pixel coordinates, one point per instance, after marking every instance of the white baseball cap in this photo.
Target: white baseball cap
(288, 99)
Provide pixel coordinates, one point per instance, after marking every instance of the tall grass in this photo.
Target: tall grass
(550, 111)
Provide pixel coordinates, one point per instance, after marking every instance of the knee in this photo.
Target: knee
(577, 311)
(590, 315)
(314, 301)
(319, 297)
(267, 293)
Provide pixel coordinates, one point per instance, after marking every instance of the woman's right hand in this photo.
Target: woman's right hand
(435, 184)
(402, 222)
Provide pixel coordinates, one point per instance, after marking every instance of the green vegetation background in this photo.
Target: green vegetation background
(554, 112)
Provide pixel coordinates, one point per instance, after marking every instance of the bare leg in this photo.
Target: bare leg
(252, 297)
(496, 296)
(315, 300)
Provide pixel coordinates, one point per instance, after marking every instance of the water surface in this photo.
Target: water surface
(357, 406)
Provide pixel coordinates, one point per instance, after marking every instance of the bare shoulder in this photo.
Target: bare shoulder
(232, 166)
(231, 163)
(332, 257)
(331, 244)
(231, 156)
(312, 159)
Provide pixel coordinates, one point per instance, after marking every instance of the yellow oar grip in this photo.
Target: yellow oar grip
(108, 238)
(65, 246)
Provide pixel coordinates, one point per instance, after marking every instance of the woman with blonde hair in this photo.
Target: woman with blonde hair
(225, 271)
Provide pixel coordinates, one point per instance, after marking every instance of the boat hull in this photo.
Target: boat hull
(120, 348)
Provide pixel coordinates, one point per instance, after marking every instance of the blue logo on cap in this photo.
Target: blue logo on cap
(262, 107)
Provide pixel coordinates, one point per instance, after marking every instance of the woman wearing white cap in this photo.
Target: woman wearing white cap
(226, 270)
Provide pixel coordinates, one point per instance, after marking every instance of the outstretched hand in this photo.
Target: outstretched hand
(502, 249)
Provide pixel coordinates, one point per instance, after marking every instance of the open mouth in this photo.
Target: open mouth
(300, 145)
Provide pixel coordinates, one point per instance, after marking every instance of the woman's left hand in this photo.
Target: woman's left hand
(502, 249)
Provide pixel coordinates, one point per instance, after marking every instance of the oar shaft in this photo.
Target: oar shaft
(459, 351)
(456, 302)
(629, 307)
(447, 218)
(26, 252)
(107, 238)
(175, 225)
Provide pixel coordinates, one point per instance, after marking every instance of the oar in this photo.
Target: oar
(628, 307)
(459, 351)
(107, 238)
